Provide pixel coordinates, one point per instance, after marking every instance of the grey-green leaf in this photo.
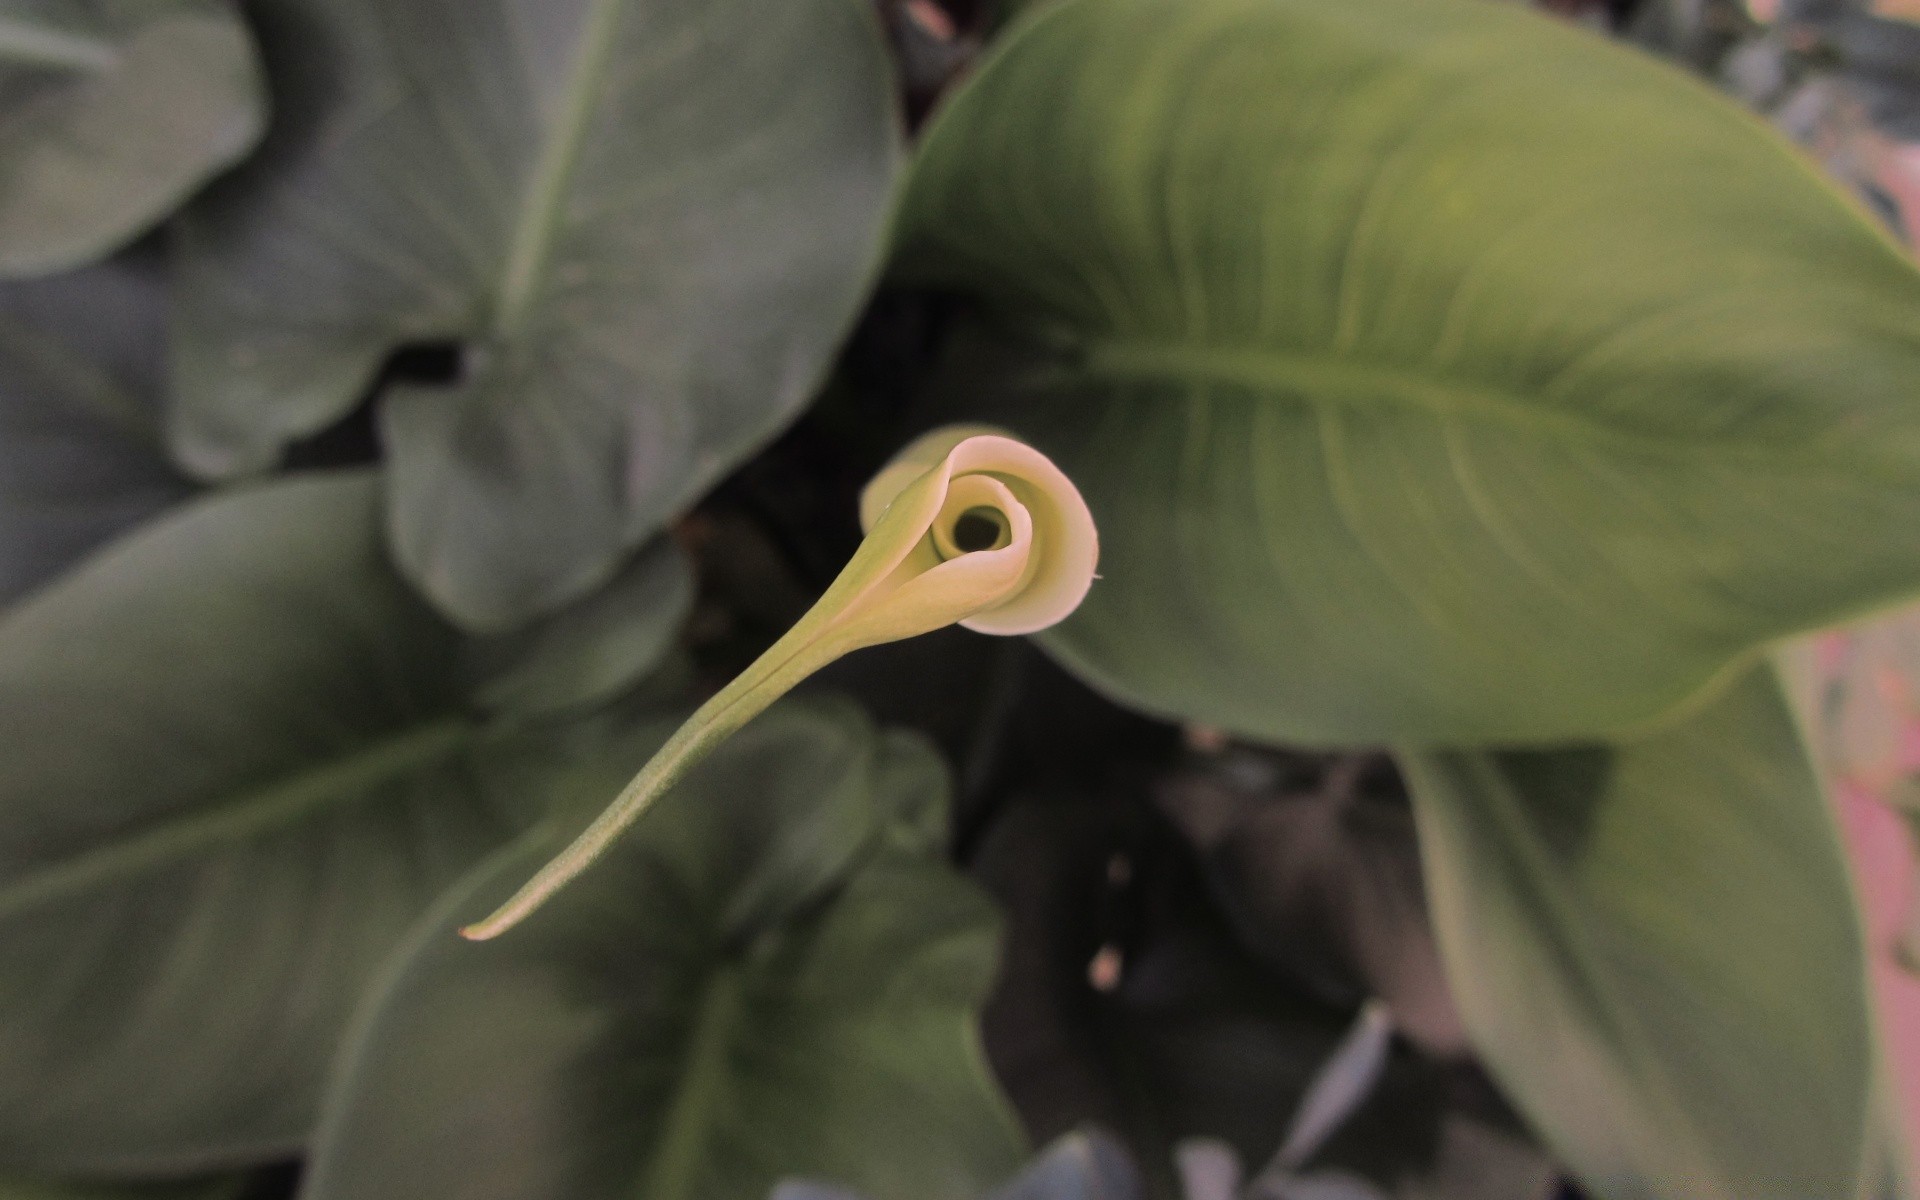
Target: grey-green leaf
(112, 112)
(1656, 950)
(648, 221)
(705, 1013)
(241, 760)
(591, 651)
(1437, 372)
(80, 456)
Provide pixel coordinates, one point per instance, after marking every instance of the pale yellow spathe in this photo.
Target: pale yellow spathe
(917, 571)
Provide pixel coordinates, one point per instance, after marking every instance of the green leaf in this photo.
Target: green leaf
(1436, 372)
(1656, 950)
(595, 649)
(649, 221)
(80, 457)
(761, 983)
(116, 112)
(242, 759)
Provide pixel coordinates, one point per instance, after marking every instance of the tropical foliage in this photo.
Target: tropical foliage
(412, 410)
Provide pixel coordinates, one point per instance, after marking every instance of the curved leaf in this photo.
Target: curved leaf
(649, 220)
(761, 983)
(1436, 372)
(241, 760)
(1655, 948)
(115, 112)
(80, 457)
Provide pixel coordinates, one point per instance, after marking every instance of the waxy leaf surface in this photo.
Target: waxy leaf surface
(1435, 371)
(242, 759)
(80, 449)
(775, 976)
(1655, 948)
(114, 112)
(648, 221)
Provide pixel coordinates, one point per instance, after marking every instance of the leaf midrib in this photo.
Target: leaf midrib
(1344, 380)
(347, 779)
(538, 226)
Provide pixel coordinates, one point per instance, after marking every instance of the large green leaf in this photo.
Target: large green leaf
(1436, 372)
(111, 113)
(242, 758)
(80, 457)
(650, 221)
(774, 976)
(1655, 948)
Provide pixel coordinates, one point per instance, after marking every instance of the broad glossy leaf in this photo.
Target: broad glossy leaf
(649, 222)
(115, 111)
(1656, 950)
(765, 981)
(80, 456)
(1436, 372)
(242, 758)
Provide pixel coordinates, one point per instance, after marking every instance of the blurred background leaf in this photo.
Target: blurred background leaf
(242, 759)
(1315, 862)
(1656, 948)
(572, 262)
(81, 368)
(1378, 449)
(647, 226)
(112, 112)
(772, 977)
(595, 649)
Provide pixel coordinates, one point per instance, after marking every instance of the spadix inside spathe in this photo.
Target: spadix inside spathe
(966, 526)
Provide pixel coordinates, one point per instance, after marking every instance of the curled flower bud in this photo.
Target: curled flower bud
(966, 526)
